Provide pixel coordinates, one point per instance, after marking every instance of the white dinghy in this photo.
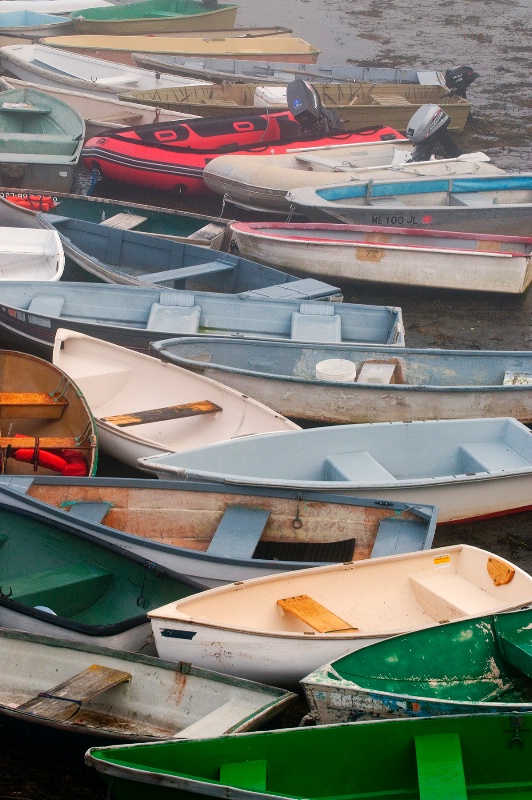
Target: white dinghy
(30, 255)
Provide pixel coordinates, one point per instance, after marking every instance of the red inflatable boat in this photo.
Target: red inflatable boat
(172, 156)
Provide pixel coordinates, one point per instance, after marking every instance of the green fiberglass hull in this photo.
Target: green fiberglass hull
(445, 758)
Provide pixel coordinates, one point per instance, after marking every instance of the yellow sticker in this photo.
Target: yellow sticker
(441, 561)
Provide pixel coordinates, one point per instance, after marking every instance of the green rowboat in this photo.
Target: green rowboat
(479, 665)
(156, 16)
(445, 758)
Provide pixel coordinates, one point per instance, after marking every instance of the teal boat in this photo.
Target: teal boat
(472, 666)
(156, 16)
(445, 758)
(62, 584)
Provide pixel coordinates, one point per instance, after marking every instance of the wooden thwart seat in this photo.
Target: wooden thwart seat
(315, 615)
(124, 222)
(163, 414)
(31, 404)
(64, 700)
(45, 442)
(440, 767)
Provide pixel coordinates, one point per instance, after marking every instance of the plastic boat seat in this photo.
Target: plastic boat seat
(89, 511)
(26, 143)
(396, 535)
(175, 312)
(316, 322)
(360, 467)
(490, 457)
(516, 649)
(81, 585)
(181, 273)
(217, 722)
(472, 199)
(238, 532)
(293, 290)
(117, 79)
(440, 767)
(386, 202)
(446, 596)
(47, 305)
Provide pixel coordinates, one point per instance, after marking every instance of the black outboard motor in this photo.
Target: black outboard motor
(306, 108)
(459, 79)
(427, 130)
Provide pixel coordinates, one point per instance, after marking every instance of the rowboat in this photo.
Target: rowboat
(173, 156)
(281, 627)
(115, 255)
(119, 49)
(30, 255)
(260, 183)
(32, 24)
(483, 262)
(20, 209)
(40, 140)
(58, 583)
(469, 468)
(350, 383)
(172, 408)
(63, 69)
(230, 70)
(476, 666)
(359, 105)
(101, 113)
(155, 16)
(455, 757)
(48, 426)
(122, 697)
(491, 204)
(133, 316)
(213, 535)
(49, 6)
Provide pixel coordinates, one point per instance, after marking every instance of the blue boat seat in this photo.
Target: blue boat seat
(472, 199)
(47, 305)
(238, 532)
(359, 467)
(89, 511)
(386, 202)
(397, 535)
(182, 273)
(174, 313)
(490, 457)
(440, 768)
(316, 322)
(293, 290)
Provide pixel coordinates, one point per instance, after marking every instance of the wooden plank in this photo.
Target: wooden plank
(440, 767)
(46, 442)
(499, 571)
(64, 700)
(163, 414)
(30, 399)
(315, 615)
(124, 222)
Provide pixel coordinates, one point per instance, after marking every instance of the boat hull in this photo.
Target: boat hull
(210, 20)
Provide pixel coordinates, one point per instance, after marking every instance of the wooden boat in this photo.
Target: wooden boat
(483, 262)
(58, 583)
(350, 383)
(476, 666)
(100, 113)
(281, 627)
(119, 49)
(115, 255)
(173, 156)
(63, 69)
(499, 205)
(30, 24)
(47, 424)
(359, 105)
(155, 16)
(134, 316)
(122, 696)
(40, 140)
(260, 183)
(213, 535)
(455, 757)
(230, 70)
(469, 468)
(173, 410)
(30, 255)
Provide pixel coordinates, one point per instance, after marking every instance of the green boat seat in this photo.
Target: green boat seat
(489, 457)
(238, 532)
(516, 644)
(360, 467)
(66, 590)
(440, 767)
(249, 775)
(316, 322)
(52, 145)
(396, 535)
(47, 305)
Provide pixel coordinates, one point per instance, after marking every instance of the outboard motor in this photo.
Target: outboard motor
(459, 79)
(306, 108)
(427, 130)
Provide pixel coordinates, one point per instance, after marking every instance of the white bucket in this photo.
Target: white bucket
(339, 370)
